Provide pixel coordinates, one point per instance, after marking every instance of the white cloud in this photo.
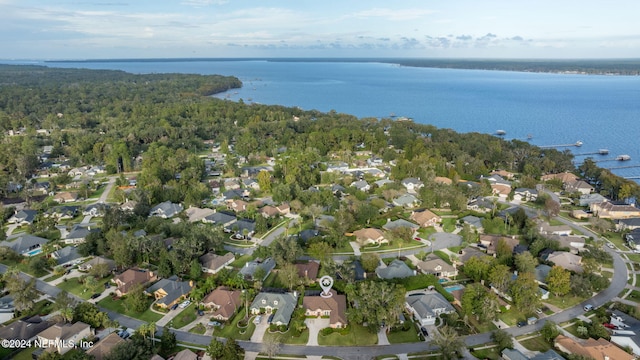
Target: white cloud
(394, 15)
(203, 3)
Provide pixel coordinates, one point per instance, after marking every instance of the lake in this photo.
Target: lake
(554, 109)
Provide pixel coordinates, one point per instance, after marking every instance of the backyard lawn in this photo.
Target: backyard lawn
(118, 306)
(357, 335)
(74, 287)
(535, 344)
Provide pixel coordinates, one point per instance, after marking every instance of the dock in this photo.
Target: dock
(599, 152)
(623, 167)
(576, 144)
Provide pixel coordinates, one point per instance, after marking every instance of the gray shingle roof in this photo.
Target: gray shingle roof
(284, 303)
(396, 269)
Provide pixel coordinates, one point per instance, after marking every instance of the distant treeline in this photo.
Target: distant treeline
(580, 66)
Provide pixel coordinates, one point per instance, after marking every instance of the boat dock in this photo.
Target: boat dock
(576, 144)
(599, 152)
(623, 167)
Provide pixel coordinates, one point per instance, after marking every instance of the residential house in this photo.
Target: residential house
(412, 184)
(614, 210)
(433, 265)
(374, 161)
(323, 221)
(129, 206)
(78, 234)
(480, 205)
(169, 292)
(251, 184)
(223, 302)
(185, 354)
(628, 224)
(579, 186)
(442, 180)
(95, 210)
(500, 189)
(98, 261)
(490, 242)
(580, 214)
(231, 184)
(400, 224)
(574, 243)
(23, 217)
(308, 234)
(600, 349)
(308, 270)
(469, 252)
(361, 185)
(426, 306)
(383, 182)
(130, 278)
(541, 273)
(195, 214)
(24, 329)
(406, 200)
(397, 269)
(25, 245)
(547, 355)
(238, 205)
(248, 271)
(243, 228)
(337, 167)
(588, 199)
(269, 211)
(212, 263)
(425, 218)
(63, 212)
(513, 354)
(473, 221)
(60, 335)
(65, 197)
(66, 256)
(220, 218)
(565, 177)
(236, 194)
(632, 238)
(284, 208)
(525, 194)
(566, 260)
(103, 347)
(503, 174)
(281, 305)
(546, 229)
(166, 210)
(335, 307)
(370, 236)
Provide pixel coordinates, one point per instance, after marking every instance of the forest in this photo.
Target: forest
(159, 123)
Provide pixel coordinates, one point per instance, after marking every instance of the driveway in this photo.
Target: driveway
(315, 325)
(443, 240)
(261, 328)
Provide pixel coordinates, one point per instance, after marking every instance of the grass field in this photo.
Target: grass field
(565, 301)
(185, 317)
(408, 336)
(118, 306)
(358, 335)
(232, 330)
(489, 353)
(74, 287)
(288, 337)
(535, 344)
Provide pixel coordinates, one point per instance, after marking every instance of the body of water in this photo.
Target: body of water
(603, 112)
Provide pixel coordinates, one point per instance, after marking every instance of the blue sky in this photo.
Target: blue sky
(86, 29)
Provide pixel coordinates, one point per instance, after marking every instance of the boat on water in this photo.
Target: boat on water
(529, 136)
(623, 157)
(501, 132)
(578, 143)
(603, 151)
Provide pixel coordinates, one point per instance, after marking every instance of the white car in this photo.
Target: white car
(257, 319)
(611, 246)
(184, 304)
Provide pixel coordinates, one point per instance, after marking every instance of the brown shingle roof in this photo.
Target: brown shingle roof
(103, 347)
(132, 277)
(308, 270)
(337, 304)
(63, 331)
(214, 262)
(227, 301)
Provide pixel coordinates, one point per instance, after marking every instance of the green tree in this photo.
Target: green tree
(525, 262)
(480, 303)
(503, 339)
(167, 340)
(215, 349)
(378, 302)
(450, 343)
(232, 351)
(64, 304)
(559, 280)
(369, 261)
(264, 180)
(322, 251)
(90, 314)
(500, 277)
(525, 293)
(136, 300)
(549, 331)
(477, 268)
(195, 270)
(290, 274)
(23, 292)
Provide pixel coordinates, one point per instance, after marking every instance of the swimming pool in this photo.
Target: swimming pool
(453, 288)
(34, 252)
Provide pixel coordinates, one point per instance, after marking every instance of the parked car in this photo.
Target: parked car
(588, 307)
(538, 311)
(257, 319)
(611, 246)
(95, 296)
(173, 307)
(522, 323)
(424, 332)
(213, 323)
(184, 304)
(270, 319)
(200, 312)
(609, 326)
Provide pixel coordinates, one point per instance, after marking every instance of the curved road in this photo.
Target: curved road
(618, 283)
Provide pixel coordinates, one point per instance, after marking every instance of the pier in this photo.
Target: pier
(576, 144)
(599, 152)
(623, 167)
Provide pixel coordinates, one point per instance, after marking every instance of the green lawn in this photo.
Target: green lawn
(449, 224)
(53, 277)
(185, 317)
(289, 338)
(274, 280)
(358, 335)
(425, 232)
(23, 266)
(492, 353)
(535, 344)
(564, 302)
(511, 317)
(232, 330)
(73, 286)
(118, 306)
(25, 354)
(198, 329)
(407, 336)
(634, 296)
(239, 262)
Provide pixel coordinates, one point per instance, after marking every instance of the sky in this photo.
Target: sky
(105, 29)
